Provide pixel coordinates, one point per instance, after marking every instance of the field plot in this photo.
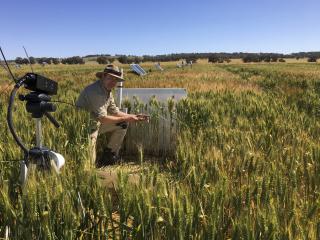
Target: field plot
(247, 163)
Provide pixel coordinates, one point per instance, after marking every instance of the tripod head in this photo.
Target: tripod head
(38, 104)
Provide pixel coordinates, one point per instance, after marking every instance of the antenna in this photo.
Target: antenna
(28, 58)
(4, 58)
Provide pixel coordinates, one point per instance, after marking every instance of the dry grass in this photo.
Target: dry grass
(202, 77)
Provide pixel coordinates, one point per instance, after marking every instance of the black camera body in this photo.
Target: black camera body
(38, 83)
(38, 100)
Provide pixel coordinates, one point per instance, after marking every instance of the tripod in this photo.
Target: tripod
(37, 103)
(43, 158)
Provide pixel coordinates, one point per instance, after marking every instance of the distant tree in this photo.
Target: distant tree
(213, 59)
(111, 59)
(47, 60)
(274, 59)
(247, 59)
(32, 60)
(123, 59)
(137, 59)
(96, 55)
(312, 59)
(228, 60)
(282, 60)
(251, 58)
(26, 61)
(129, 59)
(55, 61)
(73, 60)
(18, 60)
(132, 60)
(220, 60)
(191, 59)
(147, 58)
(102, 60)
(267, 59)
(79, 60)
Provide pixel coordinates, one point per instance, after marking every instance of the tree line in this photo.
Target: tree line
(188, 57)
(226, 57)
(220, 57)
(50, 60)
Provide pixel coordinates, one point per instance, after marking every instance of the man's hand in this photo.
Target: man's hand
(136, 118)
(131, 118)
(143, 117)
(118, 119)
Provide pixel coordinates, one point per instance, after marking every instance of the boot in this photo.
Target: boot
(108, 158)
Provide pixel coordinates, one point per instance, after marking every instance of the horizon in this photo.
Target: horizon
(64, 29)
(117, 55)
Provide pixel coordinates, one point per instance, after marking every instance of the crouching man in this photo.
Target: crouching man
(105, 115)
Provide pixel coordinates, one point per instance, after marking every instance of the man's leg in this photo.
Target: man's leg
(93, 144)
(117, 135)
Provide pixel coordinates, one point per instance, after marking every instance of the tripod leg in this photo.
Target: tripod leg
(38, 132)
(23, 172)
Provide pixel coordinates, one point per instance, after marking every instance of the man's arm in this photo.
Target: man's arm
(141, 117)
(127, 117)
(107, 119)
(121, 114)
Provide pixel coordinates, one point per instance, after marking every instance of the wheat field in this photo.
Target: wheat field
(246, 164)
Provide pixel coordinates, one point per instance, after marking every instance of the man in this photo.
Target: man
(105, 116)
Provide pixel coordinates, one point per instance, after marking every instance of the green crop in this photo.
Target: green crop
(246, 164)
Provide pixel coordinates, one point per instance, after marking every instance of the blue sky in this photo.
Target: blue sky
(66, 28)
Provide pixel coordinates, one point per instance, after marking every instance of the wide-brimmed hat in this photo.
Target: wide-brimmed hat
(112, 70)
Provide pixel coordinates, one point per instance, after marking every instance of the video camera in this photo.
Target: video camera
(38, 83)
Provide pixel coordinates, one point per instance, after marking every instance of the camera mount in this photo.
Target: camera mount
(38, 104)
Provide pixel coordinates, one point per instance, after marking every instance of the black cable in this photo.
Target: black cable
(5, 60)
(9, 117)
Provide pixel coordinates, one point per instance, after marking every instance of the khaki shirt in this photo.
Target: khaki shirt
(97, 100)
